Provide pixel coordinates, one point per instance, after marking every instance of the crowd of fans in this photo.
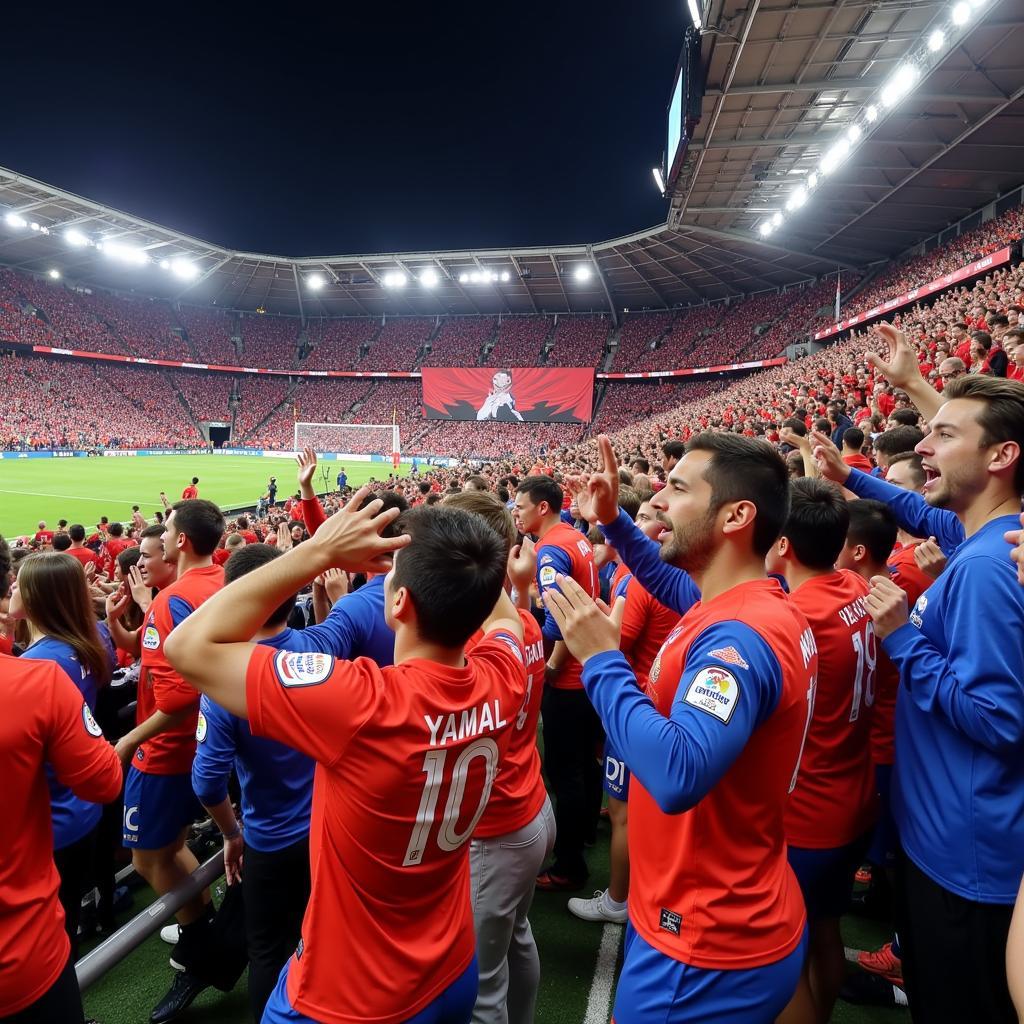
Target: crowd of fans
(460, 341)
(269, 342)
(211, 332)
(337, 344)
(519, 341)
(208, 395)
(579, 341)
(399, 344)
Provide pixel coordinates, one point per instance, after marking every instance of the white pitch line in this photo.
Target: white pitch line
(82, 497)
(599, 1002)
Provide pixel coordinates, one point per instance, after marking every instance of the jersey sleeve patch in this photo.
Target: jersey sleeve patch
(201, 728)
(715, 691)
(547, 575)
(151, 638)
(92, 727)
(306, 669)
(512, 643)
(730, 656)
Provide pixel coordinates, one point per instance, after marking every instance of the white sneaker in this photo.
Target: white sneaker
(170, 933)
(598, 908)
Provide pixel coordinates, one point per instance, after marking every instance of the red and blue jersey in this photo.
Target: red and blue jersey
(565, 550)
(714, 747)
(406, 759)
(833, 802)
(160, 687)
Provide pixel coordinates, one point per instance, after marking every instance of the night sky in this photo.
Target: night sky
(378, 127)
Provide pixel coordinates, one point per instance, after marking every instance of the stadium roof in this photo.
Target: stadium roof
(785, 81)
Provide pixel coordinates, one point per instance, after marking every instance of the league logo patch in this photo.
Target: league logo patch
(306, 669)
(150, 639)
(545, 560)
(511, 643)
(92, 727)
(670, 921)
(715, 691)
(730, 656)
(917, 614)
(547, 575)
(200, 728)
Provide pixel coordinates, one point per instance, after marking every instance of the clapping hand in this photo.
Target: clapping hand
(887, 605)
(588, 627)
(899, 364)
(828, 458)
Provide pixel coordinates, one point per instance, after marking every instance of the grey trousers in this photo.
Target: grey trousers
(503, 871)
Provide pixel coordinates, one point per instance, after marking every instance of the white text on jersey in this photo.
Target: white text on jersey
(459, 726)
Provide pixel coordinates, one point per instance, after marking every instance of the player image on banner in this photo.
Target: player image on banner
(516, 395)
(499, 398)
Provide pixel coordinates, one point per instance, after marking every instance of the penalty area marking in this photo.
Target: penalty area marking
(599, 1002)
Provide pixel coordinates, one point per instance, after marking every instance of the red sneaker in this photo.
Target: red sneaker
(550, 882)
(884, 963)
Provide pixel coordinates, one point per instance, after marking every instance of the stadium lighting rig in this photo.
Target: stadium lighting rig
(484, 276)
(583, 273)
(315, 282)
(901, 83)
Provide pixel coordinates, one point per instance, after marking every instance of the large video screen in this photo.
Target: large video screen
(675, 125)
(515, 395)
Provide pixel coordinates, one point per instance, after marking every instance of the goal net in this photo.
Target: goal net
(350, 439)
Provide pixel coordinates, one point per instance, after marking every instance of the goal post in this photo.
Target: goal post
(366, 439)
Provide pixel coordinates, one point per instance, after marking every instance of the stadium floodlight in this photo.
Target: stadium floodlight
(961, 13)
(75, 237)
(395, 279)
(835, 156)
(463, 278)
(900, 82)
(185, 269)
(796, 199)
(125, 253)
(871, 114)
(583, 272)
(936, 40)
(34, 226)
(853, 133)
(15, 220)
(765, 228)
(55, 274)
(506, 276)
(659, 179)
(474, 277)
(812, 179)
(695, 15)
(315, 282)
(429, 278)
(776, 220)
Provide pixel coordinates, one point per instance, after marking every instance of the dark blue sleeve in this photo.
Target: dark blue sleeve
(345, 631)
(912, 512)
(667, 584)
(977, 686)
(179, 610)
(716, 708)
(551, 561)
(215, 753)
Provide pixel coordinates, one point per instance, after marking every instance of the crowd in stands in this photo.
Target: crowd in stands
(336, 344)
(210, 332)
(398, 345)
(460, 341)
(259, 396)
(519, 341)
(269, 342)
(626, 402)
(579, 341)
(145, 327)
(208, 394)
(638, 332)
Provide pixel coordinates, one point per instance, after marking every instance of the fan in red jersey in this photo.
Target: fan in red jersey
(717, 924)
(407, 755)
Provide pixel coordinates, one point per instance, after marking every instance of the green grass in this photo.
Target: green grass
(82, 490)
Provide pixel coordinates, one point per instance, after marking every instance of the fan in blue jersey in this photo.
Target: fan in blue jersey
(277, 793)
(958, 797)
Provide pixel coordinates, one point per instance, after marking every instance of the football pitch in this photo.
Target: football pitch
(82, 490)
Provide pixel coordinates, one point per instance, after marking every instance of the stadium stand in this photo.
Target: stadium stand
(519, 341)
(336, 344)
(460, 341)
(579, 341)
(270, 342)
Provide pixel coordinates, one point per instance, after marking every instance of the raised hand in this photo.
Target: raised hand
(351, 539)
(898, 361)
(828, 458)
(587, 626)
(522, 565)
(887, 605)
(603, 486)
(306, 461)
(117, 603)
(929, 558)
(141, 592)
(787, 435)
(335, 582)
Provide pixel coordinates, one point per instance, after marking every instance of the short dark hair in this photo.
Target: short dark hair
(823, 426)
(477, 482)
(817, 523)
(629, 501)
(983, 338)
(1002, 418)
(201, 521)
(250, 557)
(916, 466)
(115, 530)
(853, 438)
(242, 523)
(454, 570)
(906, 417)
(643, 464)
(898, 439)
(156, 530)
(388, 499)
(128, 558)
(61, 542)
(797, 425)
(195, 480)
(542, 488)
(747, 469)
(77, 533)
(873, 525)
(674, 449)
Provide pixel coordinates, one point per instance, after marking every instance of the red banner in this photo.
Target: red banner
(971, 270)
(534, 395)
